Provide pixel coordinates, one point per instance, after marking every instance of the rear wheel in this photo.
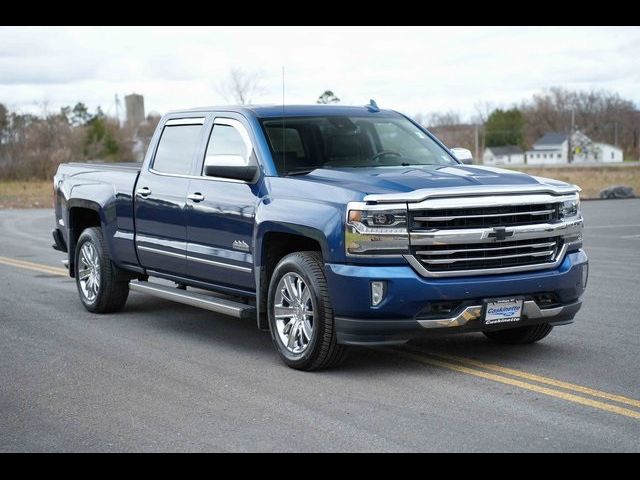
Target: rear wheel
(520, 335)
(96, 276)
(300, 313)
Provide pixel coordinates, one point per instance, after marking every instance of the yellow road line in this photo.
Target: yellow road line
(38, 267)
(459, 368)
(539, 378)
(519, 383)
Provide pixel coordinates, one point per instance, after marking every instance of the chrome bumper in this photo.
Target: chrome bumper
(530, 310)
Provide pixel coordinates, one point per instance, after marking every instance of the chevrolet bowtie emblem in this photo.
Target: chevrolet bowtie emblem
(500, 233)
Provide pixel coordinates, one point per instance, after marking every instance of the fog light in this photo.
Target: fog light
(377, 293)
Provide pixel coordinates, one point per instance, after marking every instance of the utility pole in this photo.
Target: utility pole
(117, 109)
(570, 153)
(477, 150)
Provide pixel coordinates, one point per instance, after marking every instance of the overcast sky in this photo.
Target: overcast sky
(412, 69)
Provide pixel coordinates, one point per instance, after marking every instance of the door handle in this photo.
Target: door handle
(144, 191)
(196, 197)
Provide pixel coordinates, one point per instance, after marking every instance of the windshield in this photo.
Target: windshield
(302, 144)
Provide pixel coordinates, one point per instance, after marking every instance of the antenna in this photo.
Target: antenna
(284, 150)
(373, 106)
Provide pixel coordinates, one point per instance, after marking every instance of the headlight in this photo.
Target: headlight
(376, 229)
(570, 208)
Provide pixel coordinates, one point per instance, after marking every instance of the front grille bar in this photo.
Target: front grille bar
(491, 215)
(567, 228)
(441, 261)
(487, 249)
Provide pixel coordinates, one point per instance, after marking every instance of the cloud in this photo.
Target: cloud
(412, 69)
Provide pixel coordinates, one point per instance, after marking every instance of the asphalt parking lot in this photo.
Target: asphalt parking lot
(166, 377)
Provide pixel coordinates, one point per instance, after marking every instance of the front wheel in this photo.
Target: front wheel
(300, 313)
(520, 335)
(96, 276)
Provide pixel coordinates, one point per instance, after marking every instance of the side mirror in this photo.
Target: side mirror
(246, 173)
(463, 154)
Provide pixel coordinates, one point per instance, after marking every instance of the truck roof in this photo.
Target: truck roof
(266, 111)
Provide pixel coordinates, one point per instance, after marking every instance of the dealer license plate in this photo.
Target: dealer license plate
(502, 310)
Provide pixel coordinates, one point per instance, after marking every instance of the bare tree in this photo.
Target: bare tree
(327, 97)
(440, 119)
(602, 115)
(483, 110)
(240, 86)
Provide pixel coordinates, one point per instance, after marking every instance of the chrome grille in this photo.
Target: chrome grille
(483, 217)
(472, 256)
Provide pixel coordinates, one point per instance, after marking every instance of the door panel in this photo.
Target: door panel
(161, 229)
(161, 196)
(221, 212)
(220, 231)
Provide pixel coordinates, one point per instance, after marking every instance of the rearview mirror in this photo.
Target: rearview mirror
(463, 154)
(246, 173)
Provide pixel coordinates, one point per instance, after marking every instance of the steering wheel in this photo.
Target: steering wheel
(377, 156)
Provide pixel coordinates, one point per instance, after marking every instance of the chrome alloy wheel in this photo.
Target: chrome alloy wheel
(294, 312)
(89, 271)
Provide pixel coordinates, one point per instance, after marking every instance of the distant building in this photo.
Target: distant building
(505, 155)
(603, 152)
(135, 109)
(553, 149)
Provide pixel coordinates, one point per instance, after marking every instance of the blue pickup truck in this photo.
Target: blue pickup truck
(329, 226)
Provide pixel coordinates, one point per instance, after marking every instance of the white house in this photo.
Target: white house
(506, 155)
(553, 148)
(603, 152)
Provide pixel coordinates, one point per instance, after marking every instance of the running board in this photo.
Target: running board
(207, 302)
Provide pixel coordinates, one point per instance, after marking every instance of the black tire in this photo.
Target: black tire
(520, 335)
(323, 350)
(111, 293)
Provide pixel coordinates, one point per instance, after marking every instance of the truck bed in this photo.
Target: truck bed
(106, 188)
(87, 167)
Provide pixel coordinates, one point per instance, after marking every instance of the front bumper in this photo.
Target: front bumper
(401, 315)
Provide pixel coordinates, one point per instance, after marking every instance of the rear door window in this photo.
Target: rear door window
(178, 144)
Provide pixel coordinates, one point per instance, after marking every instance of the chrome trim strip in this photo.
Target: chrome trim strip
(223, 255)
(505, 200)
(185, 121)
(470, 191)
(530, 310)
(185, 254)
(488, 249)
(123, 235)
(220, 264)
(464, 317)
(214, 304)
(491, 215)
(481, 235)
(160, 242)
(442, 261)
(418, 267)
(196, 177)
(161, 252)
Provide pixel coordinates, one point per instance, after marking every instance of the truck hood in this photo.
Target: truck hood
(382, 180)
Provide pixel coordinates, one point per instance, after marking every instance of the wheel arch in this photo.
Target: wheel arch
(275, 243)
(82, 214)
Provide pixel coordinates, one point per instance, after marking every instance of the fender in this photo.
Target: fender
(102, 202)
(319, 221)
